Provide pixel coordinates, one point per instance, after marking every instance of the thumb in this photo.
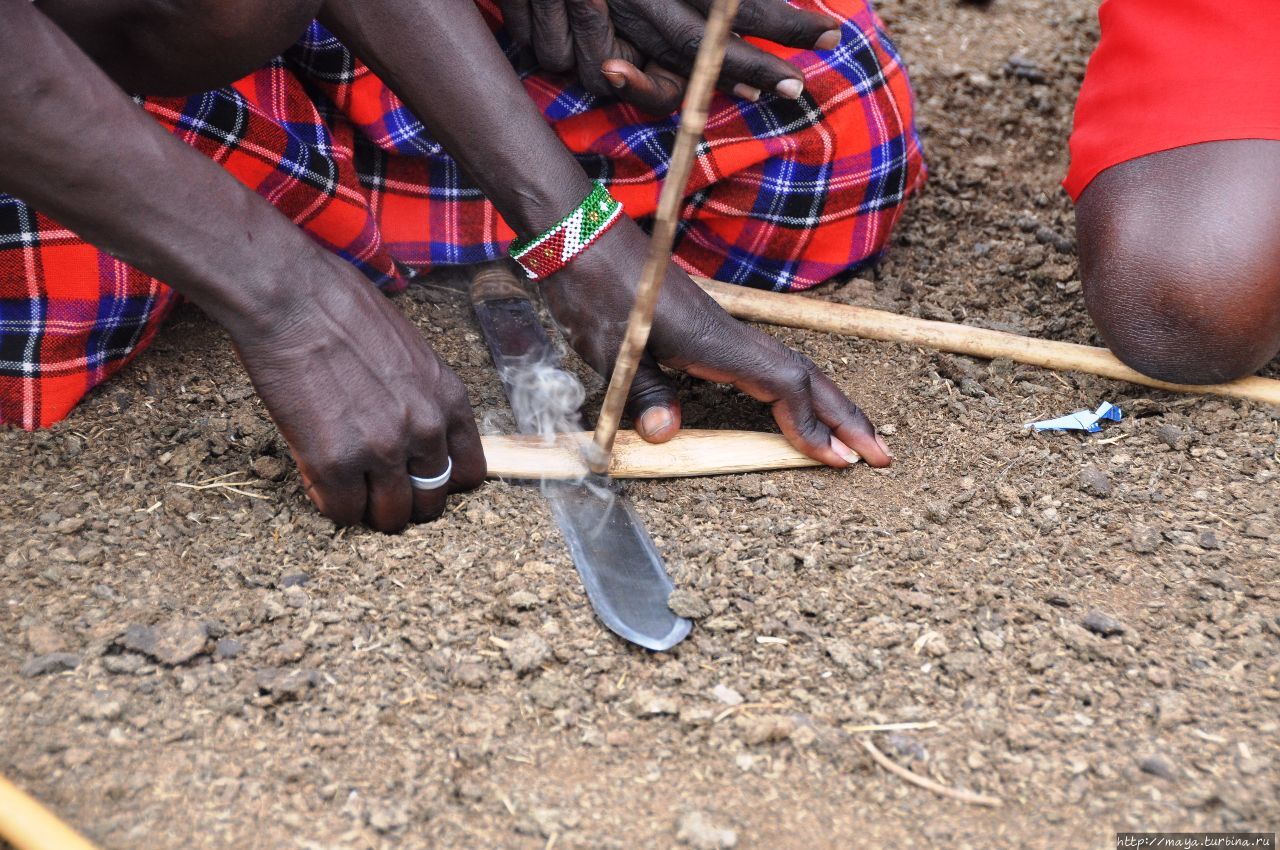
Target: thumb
(652, 404)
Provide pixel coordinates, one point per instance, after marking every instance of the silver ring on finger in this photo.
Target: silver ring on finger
(436, 481)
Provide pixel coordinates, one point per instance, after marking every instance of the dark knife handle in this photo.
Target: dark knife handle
(495, 281)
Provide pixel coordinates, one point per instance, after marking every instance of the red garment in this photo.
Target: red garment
(1170, 73)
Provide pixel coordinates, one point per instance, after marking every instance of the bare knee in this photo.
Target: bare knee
(1180, 292)
(180, 47)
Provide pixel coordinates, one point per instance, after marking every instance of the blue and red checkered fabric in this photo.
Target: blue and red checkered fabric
(787, 193)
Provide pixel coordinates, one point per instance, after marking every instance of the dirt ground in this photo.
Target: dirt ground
(1085, 627)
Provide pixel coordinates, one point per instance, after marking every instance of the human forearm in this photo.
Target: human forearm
(441, 59)
(78, 149)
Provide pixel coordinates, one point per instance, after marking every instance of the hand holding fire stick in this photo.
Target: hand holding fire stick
(693, 118)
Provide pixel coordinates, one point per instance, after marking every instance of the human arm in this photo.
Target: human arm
(438, 57)
(357, 393)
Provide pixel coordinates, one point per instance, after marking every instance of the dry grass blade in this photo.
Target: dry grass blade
(925, 782)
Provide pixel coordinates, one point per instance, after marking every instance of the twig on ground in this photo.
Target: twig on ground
(925, 782)
(891, 727)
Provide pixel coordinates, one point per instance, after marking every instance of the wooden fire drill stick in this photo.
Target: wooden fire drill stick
(693, 118)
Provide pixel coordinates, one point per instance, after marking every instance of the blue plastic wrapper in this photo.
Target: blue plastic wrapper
(1082, 420)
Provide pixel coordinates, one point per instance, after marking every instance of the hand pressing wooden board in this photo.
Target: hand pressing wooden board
(690, 453)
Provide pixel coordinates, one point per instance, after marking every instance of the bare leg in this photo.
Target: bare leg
(180, 47)
(1180, 259)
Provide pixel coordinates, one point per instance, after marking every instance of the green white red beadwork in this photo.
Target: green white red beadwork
(547, 254)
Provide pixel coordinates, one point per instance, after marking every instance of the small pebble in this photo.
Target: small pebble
(1101, 623)
(1095, 482)
(686, 603)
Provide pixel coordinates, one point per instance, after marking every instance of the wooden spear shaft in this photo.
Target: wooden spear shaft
(813, 314)
(693, 118)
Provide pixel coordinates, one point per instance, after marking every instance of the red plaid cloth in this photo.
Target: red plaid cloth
(786, 193)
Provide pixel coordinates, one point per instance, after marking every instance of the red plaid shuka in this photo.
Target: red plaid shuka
(786, 194)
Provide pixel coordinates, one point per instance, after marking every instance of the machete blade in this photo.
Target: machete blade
(620, 568)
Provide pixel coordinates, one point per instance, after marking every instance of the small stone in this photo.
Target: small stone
(1095, 482)
(1146, 539)
(101, 706)
(70, 525)
(51, 662)
(523, 600)
(123, 664)
(686, 603)
(990, 641)
(471, 675)
(284, 685)
(655, 705)
(697, 830)
(727, 695)
(765, 729)
(227, 648)
(173, 642)
(1174, 437)
(294, 579)
(1101, 623)
(721, 624)
(548, 693)
(76, 757)
(270, 468)
(844, 653)
(1208, 540)
(387, 817)
(1157, 766)
(1172, 710)
(1258, 527)
(1159, 677)
(1041, 661)
(44, 639)
(289, 652)
(527, 652)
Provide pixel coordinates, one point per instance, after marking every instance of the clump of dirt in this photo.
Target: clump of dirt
(1085, 627)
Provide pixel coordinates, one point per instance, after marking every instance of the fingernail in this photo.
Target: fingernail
(747, 92)
(790, 89)
(844, 451)
(828, 40)
(655, 420)
(615, 79)
(884, 447)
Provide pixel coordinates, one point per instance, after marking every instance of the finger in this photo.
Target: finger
(337, 490)
(847, 420)
(516, 21)
(652, 403)
(794, 413)
(552, 39)
(430, 458)
(390, 504)
(469, 466)
(655, 90)
(681, 29)
(594, 42)
(781, 23)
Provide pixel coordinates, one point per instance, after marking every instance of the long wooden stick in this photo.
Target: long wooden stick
(693, 118)
(690, 453)
(814, 314)
(27, 825)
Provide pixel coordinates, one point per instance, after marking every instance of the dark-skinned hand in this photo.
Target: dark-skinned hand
(362, 401)
(641, 50)
(591, 299)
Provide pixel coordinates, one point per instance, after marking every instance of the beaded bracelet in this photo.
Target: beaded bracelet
(546, 254)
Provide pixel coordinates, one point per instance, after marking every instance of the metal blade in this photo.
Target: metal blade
(620, 567)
